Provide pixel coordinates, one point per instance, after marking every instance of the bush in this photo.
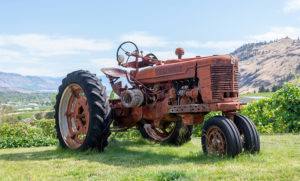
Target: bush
(278, 114)
(15, 142)
(38, 116)
(35, 133)
(49, 115)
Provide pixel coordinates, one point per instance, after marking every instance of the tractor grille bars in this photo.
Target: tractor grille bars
(224, 79)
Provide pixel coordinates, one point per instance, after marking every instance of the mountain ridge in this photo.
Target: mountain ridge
(268, 63)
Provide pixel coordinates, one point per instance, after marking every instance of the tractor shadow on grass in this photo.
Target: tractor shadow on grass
(124, 153)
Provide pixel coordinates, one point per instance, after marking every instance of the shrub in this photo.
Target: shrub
(280, 113)
(15, 142)
(38, 116)
(49, 115)
(35, 133)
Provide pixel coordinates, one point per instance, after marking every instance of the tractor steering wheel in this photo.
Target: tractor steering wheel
(127, 51)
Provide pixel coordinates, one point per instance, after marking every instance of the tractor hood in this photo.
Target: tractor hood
(177, 69)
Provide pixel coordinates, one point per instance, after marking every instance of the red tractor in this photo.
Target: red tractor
(162, 99)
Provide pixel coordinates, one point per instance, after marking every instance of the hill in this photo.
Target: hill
(11, 82)
(17, 81)
(267, 63)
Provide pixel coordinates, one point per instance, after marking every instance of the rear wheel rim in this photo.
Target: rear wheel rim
(215, 141)
(74, 116)
(160, 134)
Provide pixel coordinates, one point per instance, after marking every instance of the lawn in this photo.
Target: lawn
(279, 159)
(261, 94)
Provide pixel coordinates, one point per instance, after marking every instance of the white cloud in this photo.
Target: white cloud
(277, 33)
(36, 71)
(291, 5)
(144, 40)
(9, 53)
(44, 45)
(16, 57)
(103, 62)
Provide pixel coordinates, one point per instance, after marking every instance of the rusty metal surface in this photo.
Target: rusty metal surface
(177, 89)
(224, 81)
(179, 52)
(182, 70)
(114, 72)
(160, 133)
(201, 108)
(215, 141)
(78, 117)
(192, 119)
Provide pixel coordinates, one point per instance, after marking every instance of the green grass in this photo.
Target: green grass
(262, 94)
(279, 159)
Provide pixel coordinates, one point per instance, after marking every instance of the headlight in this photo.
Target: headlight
(120, 59)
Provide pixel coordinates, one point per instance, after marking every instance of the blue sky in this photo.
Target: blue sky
(52, 38)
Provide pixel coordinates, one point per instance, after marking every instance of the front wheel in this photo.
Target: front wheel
(248, 132)
(82, 112)
(221, 137)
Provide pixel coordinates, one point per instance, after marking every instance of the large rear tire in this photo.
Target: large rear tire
(82, 112)
(248, 132)
(178, 133)
(221, 137)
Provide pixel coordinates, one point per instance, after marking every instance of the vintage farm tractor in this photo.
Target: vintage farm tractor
(162, 99)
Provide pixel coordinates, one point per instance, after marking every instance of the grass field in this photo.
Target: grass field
(262, 94)
(279, 159)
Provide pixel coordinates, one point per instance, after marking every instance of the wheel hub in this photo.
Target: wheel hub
(216, 143)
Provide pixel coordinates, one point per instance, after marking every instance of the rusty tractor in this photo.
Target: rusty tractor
(162, 99)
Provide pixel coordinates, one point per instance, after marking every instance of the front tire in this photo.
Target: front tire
(82, 112)
(220, 136)
(248, 132)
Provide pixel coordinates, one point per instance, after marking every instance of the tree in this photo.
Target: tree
(261, 89)
(276, 87)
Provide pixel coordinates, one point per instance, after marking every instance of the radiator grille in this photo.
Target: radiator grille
(224, 79)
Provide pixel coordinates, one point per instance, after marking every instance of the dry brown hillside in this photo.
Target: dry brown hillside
(268, 64)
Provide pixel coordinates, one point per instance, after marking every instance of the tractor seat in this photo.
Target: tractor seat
(114, 72)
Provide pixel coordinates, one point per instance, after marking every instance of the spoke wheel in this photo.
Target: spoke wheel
(160, 134)
(215, 140)
(176, 133)
(82, 112)
(77, 116)
(221, 137)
